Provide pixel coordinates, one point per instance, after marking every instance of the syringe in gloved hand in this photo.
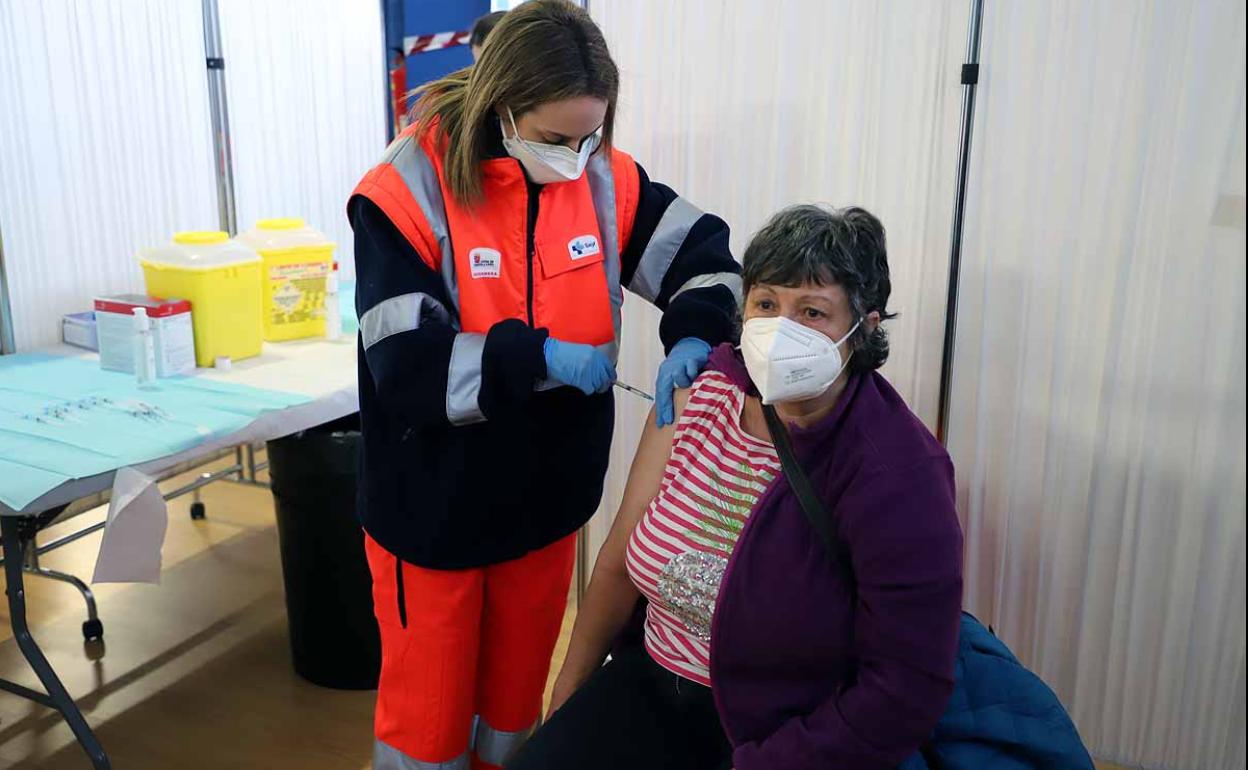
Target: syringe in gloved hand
(635, 391)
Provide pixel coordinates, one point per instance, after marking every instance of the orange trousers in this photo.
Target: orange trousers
(465, 655)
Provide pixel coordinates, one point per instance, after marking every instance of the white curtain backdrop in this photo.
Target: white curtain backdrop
(307, 98)
(1098, 413)
(105, 145)
(104, 148)
(746, 107)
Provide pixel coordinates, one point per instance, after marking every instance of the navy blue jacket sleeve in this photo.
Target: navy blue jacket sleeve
(677, 258)
(423, 368)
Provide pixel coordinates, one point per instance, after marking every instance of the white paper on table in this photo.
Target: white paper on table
(134, 531)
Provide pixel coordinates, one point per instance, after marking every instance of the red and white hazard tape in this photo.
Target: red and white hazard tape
(423, 43)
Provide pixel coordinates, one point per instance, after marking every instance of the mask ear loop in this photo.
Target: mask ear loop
(849, 334)
(852, 351)
(515, 131)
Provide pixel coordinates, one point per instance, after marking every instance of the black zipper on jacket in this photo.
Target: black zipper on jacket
(534, 195)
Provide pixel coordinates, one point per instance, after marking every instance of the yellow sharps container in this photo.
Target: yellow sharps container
(297, 263)
(221, 278)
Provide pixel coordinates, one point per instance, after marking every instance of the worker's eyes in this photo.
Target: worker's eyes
(563, 141)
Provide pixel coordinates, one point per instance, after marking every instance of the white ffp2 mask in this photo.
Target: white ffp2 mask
(788, 361)
(549, 163)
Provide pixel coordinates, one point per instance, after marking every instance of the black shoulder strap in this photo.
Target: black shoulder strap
(818, 515)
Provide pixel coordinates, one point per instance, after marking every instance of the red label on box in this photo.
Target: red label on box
(155, 306)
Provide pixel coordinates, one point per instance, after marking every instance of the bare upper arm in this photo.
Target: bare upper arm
(644, 479)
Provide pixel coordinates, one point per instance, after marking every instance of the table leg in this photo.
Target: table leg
(56, 696)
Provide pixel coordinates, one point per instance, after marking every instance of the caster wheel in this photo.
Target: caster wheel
(93, 630)
(198, 512)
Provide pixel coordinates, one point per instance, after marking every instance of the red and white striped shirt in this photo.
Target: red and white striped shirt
(677, 554)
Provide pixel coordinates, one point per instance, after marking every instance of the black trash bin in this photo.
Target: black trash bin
(334, 640)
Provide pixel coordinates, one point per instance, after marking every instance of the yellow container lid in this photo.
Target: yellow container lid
(287, 223)
(271, 236)
(200, 250)
(201, 237)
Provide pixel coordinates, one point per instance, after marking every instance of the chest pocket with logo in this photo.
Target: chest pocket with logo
(570, 295)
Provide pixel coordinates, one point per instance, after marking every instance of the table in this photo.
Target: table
(322, 371)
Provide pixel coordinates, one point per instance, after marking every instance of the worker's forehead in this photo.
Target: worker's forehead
(575, 117)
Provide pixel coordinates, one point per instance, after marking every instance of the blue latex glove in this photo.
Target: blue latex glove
(679, 370)
(582, 366)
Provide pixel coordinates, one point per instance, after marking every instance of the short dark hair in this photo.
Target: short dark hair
(482, 26)
(846, 247)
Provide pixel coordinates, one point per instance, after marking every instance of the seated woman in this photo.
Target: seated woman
(764, 649)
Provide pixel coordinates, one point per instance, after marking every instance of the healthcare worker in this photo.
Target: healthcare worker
(492, 244)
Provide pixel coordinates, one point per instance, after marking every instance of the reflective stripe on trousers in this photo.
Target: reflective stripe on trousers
(387, 757)
(489, 744)
(497, 746)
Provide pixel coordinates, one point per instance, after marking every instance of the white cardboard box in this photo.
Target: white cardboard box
(172, 333)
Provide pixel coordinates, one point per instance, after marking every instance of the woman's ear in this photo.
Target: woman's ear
(872, 321)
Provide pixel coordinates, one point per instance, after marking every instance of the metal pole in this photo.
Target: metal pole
(385, 69)
(970, 78)
(582, 564)
(222, 153)
(8, 342)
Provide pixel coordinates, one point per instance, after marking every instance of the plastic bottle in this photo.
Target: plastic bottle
(144, 348)
(333, 311)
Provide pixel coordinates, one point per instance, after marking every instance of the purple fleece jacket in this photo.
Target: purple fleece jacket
(815, 669)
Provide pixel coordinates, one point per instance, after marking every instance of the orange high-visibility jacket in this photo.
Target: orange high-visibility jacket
(471, 456)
